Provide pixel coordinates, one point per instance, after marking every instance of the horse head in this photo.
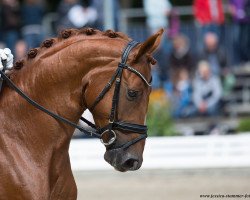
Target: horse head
(119, 110)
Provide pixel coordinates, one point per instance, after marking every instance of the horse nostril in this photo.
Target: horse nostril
(131, 164)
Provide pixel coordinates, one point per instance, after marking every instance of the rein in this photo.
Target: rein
(108, 130)
(38, 106)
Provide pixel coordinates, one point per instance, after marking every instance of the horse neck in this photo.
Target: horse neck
(55, 78)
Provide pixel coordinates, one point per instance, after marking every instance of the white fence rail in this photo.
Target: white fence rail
(172, 153)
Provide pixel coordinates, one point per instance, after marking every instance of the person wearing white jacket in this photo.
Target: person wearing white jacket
(157, 12)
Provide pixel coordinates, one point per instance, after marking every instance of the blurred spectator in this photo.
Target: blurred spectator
(180, 57)
(240, 10)
(11, 23)
(99, 6)
(174, 24)
(209, 16)
(82, 16)
(32, 16)
(73, 15)
(157, 12)
(213, 54)
(172, 31)
(180, 95)
(21, 49)
(116, 7)
(207, 90)
(63, 9)
(156, 82)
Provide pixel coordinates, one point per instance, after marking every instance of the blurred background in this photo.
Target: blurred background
(199, 108)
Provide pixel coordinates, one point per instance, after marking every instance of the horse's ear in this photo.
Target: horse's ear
(150, 45)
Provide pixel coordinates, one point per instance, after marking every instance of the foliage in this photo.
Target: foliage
(158, 119)
(244, 125)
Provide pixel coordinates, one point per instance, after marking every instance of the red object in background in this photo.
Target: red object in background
(208, 11)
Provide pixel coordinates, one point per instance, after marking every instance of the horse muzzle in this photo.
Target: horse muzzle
(122, 160)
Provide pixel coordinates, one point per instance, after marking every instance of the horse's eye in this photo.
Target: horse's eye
(132, 94)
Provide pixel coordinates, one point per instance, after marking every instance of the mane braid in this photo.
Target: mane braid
(88, 31)
(65, 34)
(111, 34)
(48, 43)
(19, 64)
(32, 53)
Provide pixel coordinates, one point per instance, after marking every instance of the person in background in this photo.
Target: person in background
(10, 22)
(209, 16)
(116, 9)
(174, 24)
(73, 15)
(21, 49)
(63, 9)
(213, 54)
(32, 16)
(240, 11)
(99, 6)
(157, 13)
(207, 91)
(180, 58)
(180, 95)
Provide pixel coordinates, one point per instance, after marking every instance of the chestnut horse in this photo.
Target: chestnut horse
(65, 75)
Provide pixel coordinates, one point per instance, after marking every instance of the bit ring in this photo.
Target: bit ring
(111, 141)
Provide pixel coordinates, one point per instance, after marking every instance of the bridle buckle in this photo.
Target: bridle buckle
(122, 65)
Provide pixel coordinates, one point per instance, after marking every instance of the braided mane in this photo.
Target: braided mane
(63, 35)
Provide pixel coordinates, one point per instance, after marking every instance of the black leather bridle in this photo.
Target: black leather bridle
(113, 123)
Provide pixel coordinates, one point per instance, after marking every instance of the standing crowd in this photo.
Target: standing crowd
(195, 81)
(22, 28)
(192, 81)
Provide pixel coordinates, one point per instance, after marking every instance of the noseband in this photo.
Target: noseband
(113, 124)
